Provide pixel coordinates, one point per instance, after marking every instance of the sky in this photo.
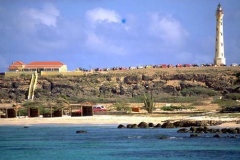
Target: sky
(116, 33)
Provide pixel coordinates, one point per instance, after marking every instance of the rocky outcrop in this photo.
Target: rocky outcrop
(126, 84)
(195, 126)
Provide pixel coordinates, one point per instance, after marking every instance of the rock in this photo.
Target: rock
(134, 126)
(238, 130)
(200, 130)
(143, 125)
(151, 125)
(158, 125)
(129, 126)
(217, 136)
(163, 137)
(182, 130)
(121, 126)
(168, 125)
(25, 127)
(81, 131)
(193, 129)
(194, 135)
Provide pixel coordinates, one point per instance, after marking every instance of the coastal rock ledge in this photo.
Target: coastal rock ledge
(177, 124)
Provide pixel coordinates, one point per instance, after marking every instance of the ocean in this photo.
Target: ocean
(106, 142)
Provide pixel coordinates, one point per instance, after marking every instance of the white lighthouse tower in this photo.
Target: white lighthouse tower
(219, 48)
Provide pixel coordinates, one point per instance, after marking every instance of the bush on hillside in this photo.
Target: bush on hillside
(233, 96)
(174, 108)
(198, 91)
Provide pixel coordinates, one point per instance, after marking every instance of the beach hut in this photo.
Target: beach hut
(33, 112)
(9, 110)
(81, 109)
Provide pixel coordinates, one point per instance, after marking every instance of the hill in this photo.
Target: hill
(193, 84)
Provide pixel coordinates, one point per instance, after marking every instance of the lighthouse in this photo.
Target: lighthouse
(219, 47)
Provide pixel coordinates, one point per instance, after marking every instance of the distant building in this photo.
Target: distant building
(219, 48)
(51, 66)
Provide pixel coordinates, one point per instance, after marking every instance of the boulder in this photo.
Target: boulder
(151, 125)
(183, 130)
(129, 126)
(158, 125)
(134, 126)
(121, 126)
(163, 137)
(217, 136)
(168, 125)
(193, 129)
(194, 135)
(238, 130)
(81, 131)
(143, 125)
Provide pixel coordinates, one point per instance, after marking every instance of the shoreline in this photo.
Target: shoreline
(112, 120)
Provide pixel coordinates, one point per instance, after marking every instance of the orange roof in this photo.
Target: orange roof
(45, 64)
(16, 64)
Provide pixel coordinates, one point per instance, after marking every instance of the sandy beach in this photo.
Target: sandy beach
(111, 120)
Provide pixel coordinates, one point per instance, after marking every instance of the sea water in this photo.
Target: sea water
(109, 143)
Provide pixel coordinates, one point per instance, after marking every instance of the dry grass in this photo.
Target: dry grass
(152, 71)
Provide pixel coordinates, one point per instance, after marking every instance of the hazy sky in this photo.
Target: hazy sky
(108, 33)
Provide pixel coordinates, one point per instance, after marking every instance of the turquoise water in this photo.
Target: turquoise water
(108, 142)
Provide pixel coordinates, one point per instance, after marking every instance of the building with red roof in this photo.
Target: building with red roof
(16, 66)
(38, 66)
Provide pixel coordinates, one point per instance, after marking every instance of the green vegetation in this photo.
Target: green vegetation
(228, 105)
(174, 108)
(233, 96)
(198, 91)
(149, 105)
(122, 106)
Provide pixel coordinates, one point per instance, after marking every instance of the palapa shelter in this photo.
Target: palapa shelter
(10, 110)
(81, 109)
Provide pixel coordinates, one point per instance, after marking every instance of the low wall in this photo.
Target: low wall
(16, 74)
(62, 73)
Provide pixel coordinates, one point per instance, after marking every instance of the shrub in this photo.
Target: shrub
(233, 96)
(121, 106)
(173, 108)
(198, 91)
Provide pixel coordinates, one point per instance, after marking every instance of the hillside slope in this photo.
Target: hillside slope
(162, 83)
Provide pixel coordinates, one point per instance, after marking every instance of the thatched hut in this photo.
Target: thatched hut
(10, 110)
(81, 109)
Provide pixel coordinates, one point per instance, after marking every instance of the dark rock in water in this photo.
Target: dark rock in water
(183, 130)
(193, 129)
(143, 125)
(163, 137)
(134, 126)
(121, 126)
(158, 125)
(25, 127)
(238, 130)
(168, 125)
(217, 136)
(129, 126)
(200, 130)
(229, 130)
(194, 135)
(81, 131)
(234, 136)
(151, 125)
